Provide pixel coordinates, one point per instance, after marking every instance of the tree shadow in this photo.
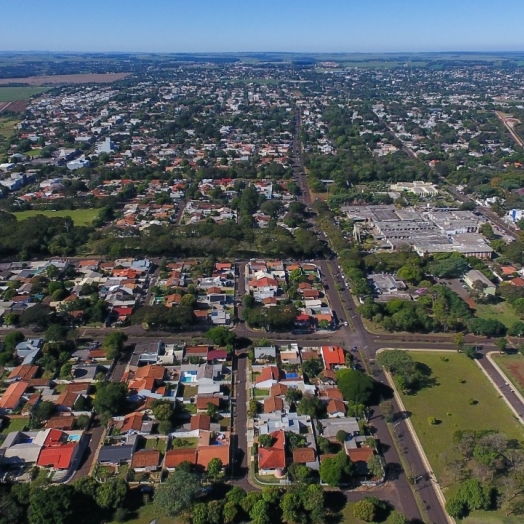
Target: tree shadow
(334, 502)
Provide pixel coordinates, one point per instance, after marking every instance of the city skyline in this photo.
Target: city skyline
(234, 26)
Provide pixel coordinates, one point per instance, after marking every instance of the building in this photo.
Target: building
(473, 276)
(272, 460)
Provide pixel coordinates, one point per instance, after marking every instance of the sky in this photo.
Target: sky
(179, 26)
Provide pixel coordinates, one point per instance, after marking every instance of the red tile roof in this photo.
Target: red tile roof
(12, 395)
(146, 458)
(132, 422)
(333, 355)
(303, 455)
(362, 454)
(203, 401)
(200, 422)
(175, 456)
(336, 406)
(278, 389)
(269, 373)
(24, 372)
(272, 404)
(273, 457)
(151, 371)
(206, 453)
(58, 457)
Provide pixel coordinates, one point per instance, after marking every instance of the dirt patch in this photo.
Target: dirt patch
(18, 106)
(517, 372)
(66, 79)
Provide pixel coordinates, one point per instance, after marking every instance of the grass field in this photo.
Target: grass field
(10, 94)
(513, 367)
(81, 217)
(491, 517)
(15, 424)
(7, 127)
(502, 311)
(447, 400)
(148, 513)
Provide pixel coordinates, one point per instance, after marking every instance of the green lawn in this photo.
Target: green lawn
(187, 442)
(159, 444)
(260, 392)
(33, 152)
(81, 217)
(448, 399)
(190, 391)
(491, 517)
(15, 424)
(148, 513)
(7, 126)
(511, 365)
(10, 94)
(502, 311)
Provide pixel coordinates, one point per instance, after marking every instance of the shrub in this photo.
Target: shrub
(432, 421)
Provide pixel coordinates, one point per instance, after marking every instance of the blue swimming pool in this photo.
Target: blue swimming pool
(291, 375)
(73, 438)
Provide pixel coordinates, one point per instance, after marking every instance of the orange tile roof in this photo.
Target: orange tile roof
(303, 455)
(519, 281)
(333, 355)
(278, 389)
(24, 372)
(146, 458)
(203, 401)
(200, 421)
(206, 453)
(150, 371)
(336, 406)
(362, 454)
(175, 456)
(132, 422)
(11, 398)
(334, 393)
(272, 404)
(268, 373)
(58, 457)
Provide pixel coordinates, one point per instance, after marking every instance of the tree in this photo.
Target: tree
(311, 406)
(53, 505)
(459, 340)
(214, 468)
(38, 315)
(341, 436)
(301, 473)
(312, 367)
(110, 397)
(188, 300)
(336, 470)
(162, 410)
(376, 466)
(236, 495)
(502, 344)
(212, 411)
(43, 410)
(388, 411)
(292, 510)
(265, 440)
(260, 513)
(395, 517)
(293, 395)
(177, 493)
(229, 513)
(355, 386)
(82, 421)
(165, 427)
(114, 344)
(11, 319)
(112, 493)
(250, 500)
(199, 514)
(221, 336)
(365, 510)
(12, 339)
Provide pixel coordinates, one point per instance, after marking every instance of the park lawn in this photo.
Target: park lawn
(512, 366)
(501, 311)
(14, 424)
(448, 395)
(81, 217)
(491, 517)
(10, 94)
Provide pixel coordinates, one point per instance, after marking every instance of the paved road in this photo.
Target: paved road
(94, 442)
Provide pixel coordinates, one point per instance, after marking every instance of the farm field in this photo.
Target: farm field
(502, 311)
(513, 367)
(447, 401)
(10, 94)
(7, 126)
(81, 217)
(65, 79)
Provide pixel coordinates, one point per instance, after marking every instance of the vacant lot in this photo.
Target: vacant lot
(81, 217)
(65, 79)
(10, 94)
(502, 311)
(447, 400)
(513, 367)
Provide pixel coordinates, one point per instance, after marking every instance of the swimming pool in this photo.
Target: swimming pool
(73, 438)
(188, 376)
(291, 375)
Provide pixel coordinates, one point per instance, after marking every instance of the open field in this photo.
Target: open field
(491, 517)
(502, 311)
(10, 94)
(65, 79)
(447, 401)
(513, 367)
(81, 217)
(7, 126)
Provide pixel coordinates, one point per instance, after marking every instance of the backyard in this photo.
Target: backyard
(81, 217)
(14, 424)
(458, 381)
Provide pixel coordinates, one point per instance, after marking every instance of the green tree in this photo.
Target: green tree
(199, 514)
(112, 493)
(221, 336)
(110, 397)
(292, 509)
(376, 466)
(82, 421)
(236, 495)
(341, 436)
(364, 510)
(459, 340)
(162, 410)
(114, 344)
(43, 410)
(312, 406)
(336, 470)
(395, 517)
(293, 395)
(502, 344)
(260, 513)
(355, 386)
(230, 513)
(177, 493)
(214, 468)
(53, 505)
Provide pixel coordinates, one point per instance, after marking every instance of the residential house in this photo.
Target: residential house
(13, 397)
(336, 408)
(146, 460)
(333, 356)
(272, 459)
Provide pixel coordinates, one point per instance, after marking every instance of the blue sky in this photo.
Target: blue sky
(268, 25)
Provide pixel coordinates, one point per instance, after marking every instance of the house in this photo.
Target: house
(59, 449)
(270, 375)
(336, 408)
(273, 404)
(305, 456)
(146, 460)
(278, 390)
(61, 422)
(21, 448)
(13, 397)
(220, 450)
(200, 421)
(265, 353)
(360, 457)
(333, 356)
(272, 460)
(137, 423)
(28, 347)
(473, 276)
(118, 454)
(519, 281)
(217, 355)
(203, 400)
(23, 372)
(333, 393)
(174, 457)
